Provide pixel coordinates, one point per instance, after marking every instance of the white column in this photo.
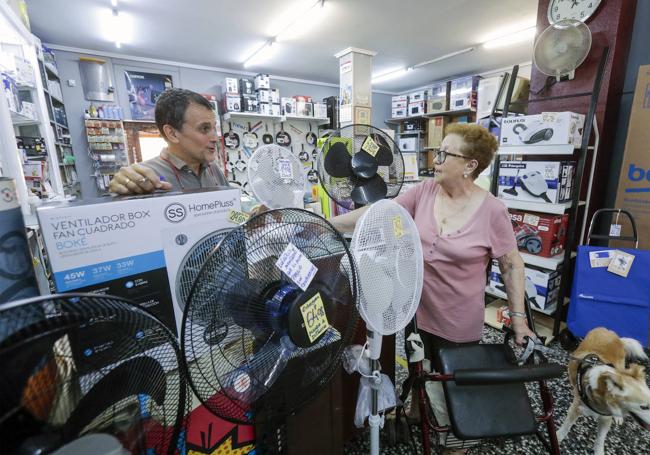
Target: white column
(355, 95)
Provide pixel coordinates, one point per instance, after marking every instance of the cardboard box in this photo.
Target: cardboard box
(542, 286)
(634, 182)
(288, 106)
(438, 98)
(540, 234)
(246, 86)
(436, 131)
(262, 81)
(275, 95)
(232, 86)
(320, 110)
(419, 96)
(398, 113)
(263, 95)
(411, 166)
(399, 102)
(536, 181)
(304, 109)
(265, 109)
(116, 247)
(249, 103)
(463, 93)
(431, 159)
(408, 143)
(233, 103)
(547, 128)
(276, 109)
(416, 108)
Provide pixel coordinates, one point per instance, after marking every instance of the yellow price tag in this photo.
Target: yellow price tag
(397, 226)
(370, 146)
(314, 317)
(237, 217)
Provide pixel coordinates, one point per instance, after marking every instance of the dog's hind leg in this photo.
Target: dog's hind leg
(604, 424)
(571, 417)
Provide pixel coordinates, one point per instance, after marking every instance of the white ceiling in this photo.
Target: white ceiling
(221, 33)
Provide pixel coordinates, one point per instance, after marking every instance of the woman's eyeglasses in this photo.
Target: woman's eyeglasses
(441, 156)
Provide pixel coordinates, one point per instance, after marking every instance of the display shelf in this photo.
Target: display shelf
(532, 149)
(316, 120)
(51, 69)
(244, 115)
(543, 322)
(542, 207)
(58, 124)
(408, 133)
(57, 99)
(551, 263)
(61, 144)
(549, 312)
(435, 114)
(22, 120)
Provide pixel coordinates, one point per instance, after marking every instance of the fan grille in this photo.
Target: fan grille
(388, 251)
(226, 329)
(276, 177)
(76, 364)
(353, 136)
(562, 47)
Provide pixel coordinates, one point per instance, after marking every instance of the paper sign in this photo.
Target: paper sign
(296, 266)
(600, 258)
(314, 317)
(621, 263)
(285, 169)
(530, 219)
(370, 146)
(398, 230)
(615, 230)
(237, 217)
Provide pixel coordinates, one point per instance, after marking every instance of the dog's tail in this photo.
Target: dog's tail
(633, 349)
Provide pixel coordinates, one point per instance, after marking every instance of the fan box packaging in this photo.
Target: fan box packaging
(542, 286)
(436, 131)
(463, 93)
(437, 99)
(539, 233)
(536, 181)
(116, 247)
(547, 128)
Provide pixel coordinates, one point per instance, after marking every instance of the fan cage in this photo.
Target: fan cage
(271, 185)
(58, 385)
(340, 189)
(224, 333)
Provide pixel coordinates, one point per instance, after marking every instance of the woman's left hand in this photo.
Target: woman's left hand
(521, 330)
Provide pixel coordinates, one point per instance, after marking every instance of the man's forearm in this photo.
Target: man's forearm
(347, 221)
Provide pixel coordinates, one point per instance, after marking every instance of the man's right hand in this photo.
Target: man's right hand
(137, 179)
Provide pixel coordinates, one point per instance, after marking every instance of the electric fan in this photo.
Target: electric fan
(269, 315)
(360, 164)
(276, 177)
(84, 371)
(561, 48)
(387, 249)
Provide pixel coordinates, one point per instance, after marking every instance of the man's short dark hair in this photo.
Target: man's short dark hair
(171, 107)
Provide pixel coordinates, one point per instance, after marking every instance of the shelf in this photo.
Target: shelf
(61, 144)
(532, 149)
(56, 98)
(23, 86)
(21, 120)
(316, 120)
(58, 124)
(551, 263)
(435, 114)
(543, 322)
(52, 70)
(542, 207)
(243, 115)
(410, 132)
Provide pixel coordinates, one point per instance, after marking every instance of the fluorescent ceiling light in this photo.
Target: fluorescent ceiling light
(512, 38)
(304, 21)
(444, 57)
(118, 44)
(114, 3)
(262, 54)
(390, 75)
(115, 26)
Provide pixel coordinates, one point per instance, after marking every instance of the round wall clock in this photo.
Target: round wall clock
(572, 9)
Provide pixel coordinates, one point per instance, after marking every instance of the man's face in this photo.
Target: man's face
(197, 138)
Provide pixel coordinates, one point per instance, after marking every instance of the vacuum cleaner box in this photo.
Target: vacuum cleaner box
(539, 233)
(116, 247)
(542, 286)
(536, 181)
(547, 128)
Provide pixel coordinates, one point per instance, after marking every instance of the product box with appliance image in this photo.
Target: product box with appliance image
(408, 143)
(542, 286)
(249, 103)
(231, 86)
(418, 96)
(246, 86)
(116, 247)
(399, 102)
(398, 113)
(288, 106)
(415, 108)
(262, 81)
(463, 93)
(539, 233)
(411, 166)
(232, 103)
(436, 131)
(438, 98)
(536, 181)
(547, 128)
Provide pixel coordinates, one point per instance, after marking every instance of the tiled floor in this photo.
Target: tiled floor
(628, 438)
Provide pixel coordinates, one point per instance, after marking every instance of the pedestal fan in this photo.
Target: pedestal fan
(276, 177)
(86, 373)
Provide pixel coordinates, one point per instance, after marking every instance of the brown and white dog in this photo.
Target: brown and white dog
(603, 387)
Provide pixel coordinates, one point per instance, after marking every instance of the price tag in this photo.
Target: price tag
(237, 217)
(314, 317)
(600, 258)
(370, 146)
(296, 266)
(615, 230)
(284, 169)
(398, 230)
(530, 219)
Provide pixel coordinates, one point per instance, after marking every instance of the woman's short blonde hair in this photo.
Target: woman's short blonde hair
(480, 144)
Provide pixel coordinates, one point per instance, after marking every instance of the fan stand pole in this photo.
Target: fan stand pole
(374, 420)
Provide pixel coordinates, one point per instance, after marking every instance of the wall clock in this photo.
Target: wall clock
(572, 9)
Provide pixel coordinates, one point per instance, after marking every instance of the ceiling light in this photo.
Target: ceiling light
(444, 57)
(118, 44)
(390, 75)
(512, 38)
(303, 21)
(261, 54)
(114, 3)
(115, 26)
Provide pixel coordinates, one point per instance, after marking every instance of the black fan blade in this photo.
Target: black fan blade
(384, 155)
(364, 165)
(141, 375)
(367, 191)
(338, 161)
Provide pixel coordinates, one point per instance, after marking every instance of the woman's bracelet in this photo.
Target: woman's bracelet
(518, 314)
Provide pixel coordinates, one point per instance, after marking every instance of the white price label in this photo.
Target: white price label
(530, 219)
(296, 266)
(285, 169)
(615, 230)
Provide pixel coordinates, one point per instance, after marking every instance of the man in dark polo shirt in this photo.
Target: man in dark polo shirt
(187, 123)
